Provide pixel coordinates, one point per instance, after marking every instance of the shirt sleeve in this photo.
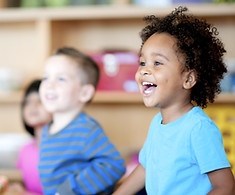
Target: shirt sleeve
(103, 169)
(207, 146)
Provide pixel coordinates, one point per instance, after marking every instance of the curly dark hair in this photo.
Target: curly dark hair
(198, 42)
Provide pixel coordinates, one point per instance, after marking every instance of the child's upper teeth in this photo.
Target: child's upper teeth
(147, 83)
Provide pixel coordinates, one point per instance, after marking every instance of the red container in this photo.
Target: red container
(117, 71)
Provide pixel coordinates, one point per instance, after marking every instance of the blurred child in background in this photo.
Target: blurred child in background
(76, 157)
(34, 117)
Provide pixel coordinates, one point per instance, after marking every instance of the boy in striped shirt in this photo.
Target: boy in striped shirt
(76, 157)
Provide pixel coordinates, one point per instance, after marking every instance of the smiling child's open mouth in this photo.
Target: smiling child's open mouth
(148, 87)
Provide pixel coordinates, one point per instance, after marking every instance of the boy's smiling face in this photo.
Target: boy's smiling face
(61, 86)
(160, 77)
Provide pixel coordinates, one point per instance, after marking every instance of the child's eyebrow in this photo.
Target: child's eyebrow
(154, 54)
(159, 54)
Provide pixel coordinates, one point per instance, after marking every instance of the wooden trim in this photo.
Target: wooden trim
(108, 12)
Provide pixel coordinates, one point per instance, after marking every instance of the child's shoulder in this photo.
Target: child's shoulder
(31, 144)
(198, 114)
(85, 118)
(85, 121)
(201, 120)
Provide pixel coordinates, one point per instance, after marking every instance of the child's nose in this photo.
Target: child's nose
(50, 83)
(35, 103)
(145, 71)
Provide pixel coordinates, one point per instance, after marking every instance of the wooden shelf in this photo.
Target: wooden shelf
(225, 98)
(108, 12)
(117, 97)
(123, 97)
(12, 174)
(11, 97)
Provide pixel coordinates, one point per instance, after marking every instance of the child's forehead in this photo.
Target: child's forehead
(159, 42)
(164, 39)
(162, 45)
(32, 95)
(61, 65)
(61, 61)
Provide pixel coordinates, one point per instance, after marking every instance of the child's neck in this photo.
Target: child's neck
(173, 113)
(37, 134)
(62, 119)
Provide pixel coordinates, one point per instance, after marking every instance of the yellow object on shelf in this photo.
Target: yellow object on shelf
(224, 117)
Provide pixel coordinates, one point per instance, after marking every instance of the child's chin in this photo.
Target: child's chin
(148, 105)
(49, 109)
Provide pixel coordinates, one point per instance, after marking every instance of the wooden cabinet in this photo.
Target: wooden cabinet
(28, 36)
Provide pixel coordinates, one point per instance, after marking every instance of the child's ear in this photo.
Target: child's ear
(87, 92)
(191, 79)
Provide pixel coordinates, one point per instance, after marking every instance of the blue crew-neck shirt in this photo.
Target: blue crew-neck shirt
(178, 155)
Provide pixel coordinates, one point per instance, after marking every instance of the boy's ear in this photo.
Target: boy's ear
(191, 79)
(87, 92)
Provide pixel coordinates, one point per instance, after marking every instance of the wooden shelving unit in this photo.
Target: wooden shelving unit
(28, 36)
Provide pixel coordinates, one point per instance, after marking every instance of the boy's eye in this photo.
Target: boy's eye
(142, 63)
(61, 79)
(44, 78)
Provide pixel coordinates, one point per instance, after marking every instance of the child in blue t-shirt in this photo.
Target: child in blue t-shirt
(180, 69)
(76, 156)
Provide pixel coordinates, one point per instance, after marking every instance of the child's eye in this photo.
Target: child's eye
(27, 102)
(142, 63)
(61, 79)
(44, 78)
(157, 63)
